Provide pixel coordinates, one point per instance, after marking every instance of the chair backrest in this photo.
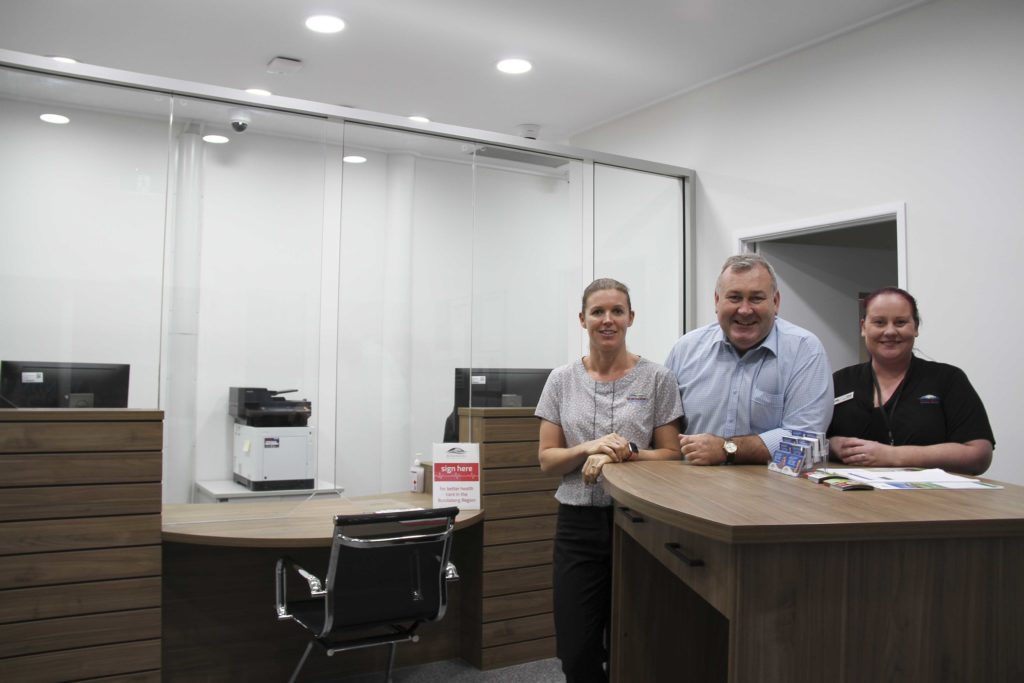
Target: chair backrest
(388, 568)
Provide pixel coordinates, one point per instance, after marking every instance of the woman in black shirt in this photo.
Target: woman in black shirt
(898, 410)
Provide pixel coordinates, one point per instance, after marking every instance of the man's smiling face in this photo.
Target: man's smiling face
(746, 306)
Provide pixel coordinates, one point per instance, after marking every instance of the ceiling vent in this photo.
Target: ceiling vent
(283, 65)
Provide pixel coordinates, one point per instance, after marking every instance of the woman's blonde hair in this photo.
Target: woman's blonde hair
(605, 283)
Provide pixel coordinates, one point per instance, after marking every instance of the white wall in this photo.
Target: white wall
(924, 107)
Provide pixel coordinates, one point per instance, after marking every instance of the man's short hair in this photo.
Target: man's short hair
(741, 263)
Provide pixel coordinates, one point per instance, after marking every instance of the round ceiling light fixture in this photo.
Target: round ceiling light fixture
(59, 119)
(353, 159)
(324, 23)
(216, 139)
(514, 66)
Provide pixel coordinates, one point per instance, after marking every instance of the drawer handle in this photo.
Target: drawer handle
(677, 550)
(631, 516)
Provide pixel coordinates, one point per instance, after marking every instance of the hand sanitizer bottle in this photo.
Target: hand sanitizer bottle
(416, 473)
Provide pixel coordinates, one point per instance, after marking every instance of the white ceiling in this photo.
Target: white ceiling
(594, 60)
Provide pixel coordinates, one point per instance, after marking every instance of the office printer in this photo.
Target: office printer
(273, 446)
(265, 408)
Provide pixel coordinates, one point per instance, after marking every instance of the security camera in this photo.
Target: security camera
(240, 120)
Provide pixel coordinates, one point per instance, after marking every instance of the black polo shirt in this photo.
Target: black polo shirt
(935, 403)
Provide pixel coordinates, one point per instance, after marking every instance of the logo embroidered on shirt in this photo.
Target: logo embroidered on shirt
(636, 397)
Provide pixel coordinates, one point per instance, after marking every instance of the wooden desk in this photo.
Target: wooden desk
(218, 598)
(283, 524)
(80, 544)
(513, 620)
(800, 582)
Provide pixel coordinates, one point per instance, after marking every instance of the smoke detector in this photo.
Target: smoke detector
(530, 131)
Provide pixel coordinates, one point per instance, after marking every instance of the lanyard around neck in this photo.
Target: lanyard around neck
(887, 417)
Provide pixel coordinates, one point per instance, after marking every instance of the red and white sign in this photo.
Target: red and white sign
(457, 475)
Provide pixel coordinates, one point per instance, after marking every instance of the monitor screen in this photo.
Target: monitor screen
(38, 384)
(492, 388)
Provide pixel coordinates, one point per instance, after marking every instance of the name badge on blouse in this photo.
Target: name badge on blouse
(842, 399)
(929, 400)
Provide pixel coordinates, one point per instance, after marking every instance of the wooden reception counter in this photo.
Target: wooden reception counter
(218, 597)
(739, 574)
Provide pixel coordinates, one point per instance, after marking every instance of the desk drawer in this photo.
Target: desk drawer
(497, 557)
(705, 565)
(518, 630)
(523, 579)
(509, 454)
(517, 480)
(503, 607)
(482, 430)
(519, 530)
(80, 437)
(508, 505)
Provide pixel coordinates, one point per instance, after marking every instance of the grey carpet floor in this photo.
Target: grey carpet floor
(458, 671)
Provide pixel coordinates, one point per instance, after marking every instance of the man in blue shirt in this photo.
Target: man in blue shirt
(748, 378)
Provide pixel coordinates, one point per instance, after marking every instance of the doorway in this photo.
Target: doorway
(826, 264)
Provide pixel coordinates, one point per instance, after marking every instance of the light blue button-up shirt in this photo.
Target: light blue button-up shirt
(784, 383)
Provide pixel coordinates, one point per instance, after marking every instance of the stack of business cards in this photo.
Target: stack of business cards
(799, 452)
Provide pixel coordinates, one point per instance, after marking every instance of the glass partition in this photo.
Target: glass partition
(638, 239)
(83, 186)
(450, 257)
(360, 265)
(243, 296)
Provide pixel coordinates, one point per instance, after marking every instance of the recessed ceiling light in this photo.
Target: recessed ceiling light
(216, 139)
(419, 119)
(514, 66)
(353, 159)
(63, 60)
(55, 118)
(258, 91)
(324, 23)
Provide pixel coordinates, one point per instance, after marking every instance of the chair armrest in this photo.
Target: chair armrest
(316, 587)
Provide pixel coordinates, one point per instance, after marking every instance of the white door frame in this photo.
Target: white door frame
(845, 219)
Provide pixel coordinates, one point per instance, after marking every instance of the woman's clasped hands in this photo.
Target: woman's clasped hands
(600, 452)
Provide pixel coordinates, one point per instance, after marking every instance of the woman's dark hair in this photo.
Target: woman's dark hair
(605, 283)
(898, 292)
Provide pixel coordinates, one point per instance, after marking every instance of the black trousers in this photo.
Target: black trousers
(583, 590)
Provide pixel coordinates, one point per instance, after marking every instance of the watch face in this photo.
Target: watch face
(730, 447)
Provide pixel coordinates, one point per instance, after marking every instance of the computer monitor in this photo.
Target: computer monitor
(494, 387)
(39, 384)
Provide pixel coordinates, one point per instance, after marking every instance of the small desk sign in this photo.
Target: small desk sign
(457, 475)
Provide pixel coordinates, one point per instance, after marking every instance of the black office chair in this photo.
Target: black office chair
(388, 574)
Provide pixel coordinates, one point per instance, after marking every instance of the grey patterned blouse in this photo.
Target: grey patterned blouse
(632, 406)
